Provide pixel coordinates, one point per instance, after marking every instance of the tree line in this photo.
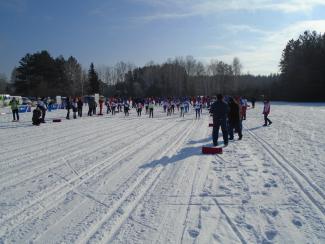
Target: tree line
(302, 68)
(302, 76)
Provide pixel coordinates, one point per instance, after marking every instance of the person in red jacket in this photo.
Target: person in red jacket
(266, 112)
(101, 102)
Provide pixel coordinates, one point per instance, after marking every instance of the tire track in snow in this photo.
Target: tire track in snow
(112, 223)
(36, 207)
(296, 175)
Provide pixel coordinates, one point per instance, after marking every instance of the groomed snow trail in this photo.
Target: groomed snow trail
(139, 180)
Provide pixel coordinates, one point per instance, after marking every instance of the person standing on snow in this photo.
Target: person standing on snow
(219, 111)
(126, 108)
(146, 105)
(101, 103)
(197, 107)
(74, 108)
(244, 108)
(139, 109)
(253, 102)
(113, 106)
(108, 107)
(14, 108)
(94, 106)
(80, 104)
(172, 106)
(234, 119)
(68, 107)
(266, 112)
(151, 106)
(90, 106)
(42, 107)
(182, 107)
(36, 119)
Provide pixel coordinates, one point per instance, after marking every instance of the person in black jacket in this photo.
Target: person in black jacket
(219, 111)
(91, 104)
(68, 107)
(80, 105)
(234, 119)
(37, 113)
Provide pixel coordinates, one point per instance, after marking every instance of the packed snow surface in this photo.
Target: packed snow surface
(139, 180)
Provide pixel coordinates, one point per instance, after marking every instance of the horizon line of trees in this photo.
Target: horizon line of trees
(301, 78)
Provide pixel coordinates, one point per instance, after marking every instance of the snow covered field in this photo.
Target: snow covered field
(140, 180)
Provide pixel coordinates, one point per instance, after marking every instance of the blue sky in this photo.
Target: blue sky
(138, 31)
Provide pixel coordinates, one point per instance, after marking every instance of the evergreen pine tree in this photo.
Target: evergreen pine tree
(93, 80)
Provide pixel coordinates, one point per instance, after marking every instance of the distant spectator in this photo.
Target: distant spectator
(74, 108)
(266, 112)
(14, 108)
(68, 107)
(80, 105)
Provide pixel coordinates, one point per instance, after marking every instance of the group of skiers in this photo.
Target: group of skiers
(228, 112)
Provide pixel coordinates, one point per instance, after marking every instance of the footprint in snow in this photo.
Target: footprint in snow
(270, 234)
(206, 208)
(249, 227)
(216, 237)
(297, 222)
(193, 233)
(266, 242)
(271, 183)
(269, 211)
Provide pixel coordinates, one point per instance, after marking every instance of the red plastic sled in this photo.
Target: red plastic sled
(212, 150)
(56, 120)
(210, 125)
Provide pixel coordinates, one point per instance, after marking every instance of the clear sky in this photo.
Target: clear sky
(138, 31)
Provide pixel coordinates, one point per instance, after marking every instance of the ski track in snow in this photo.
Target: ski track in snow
(139, 180)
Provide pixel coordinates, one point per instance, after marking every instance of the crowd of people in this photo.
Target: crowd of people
(228, 112)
